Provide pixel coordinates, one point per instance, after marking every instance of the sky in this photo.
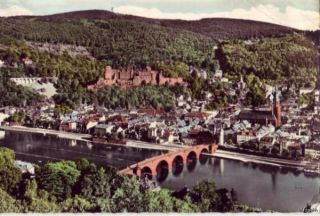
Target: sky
(300, 14)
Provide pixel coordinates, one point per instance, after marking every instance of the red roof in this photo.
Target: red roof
(148, 111)
(201, 115)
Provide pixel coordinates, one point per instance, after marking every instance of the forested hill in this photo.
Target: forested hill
(216, 28)
(123, 42)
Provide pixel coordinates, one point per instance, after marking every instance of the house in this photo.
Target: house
(3, 117)
(191, 116)
(151, 112)
(267, 141)
(68, 126)
(245, 136)
(313, 150)
(25, 167)
(118, 120)
(218, 74)
(103, 130)
(27, 61)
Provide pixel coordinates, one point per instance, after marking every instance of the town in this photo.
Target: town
(281, 128)
(159, 106)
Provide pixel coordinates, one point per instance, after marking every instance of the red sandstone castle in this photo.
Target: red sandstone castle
(130, 78)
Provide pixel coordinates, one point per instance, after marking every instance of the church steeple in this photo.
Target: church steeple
(277, 107)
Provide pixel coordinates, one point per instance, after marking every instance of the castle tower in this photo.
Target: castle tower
(277, 108)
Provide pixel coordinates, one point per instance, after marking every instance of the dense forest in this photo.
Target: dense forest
(215, 28)
(286, 60)
(122, 42)
(81, 186)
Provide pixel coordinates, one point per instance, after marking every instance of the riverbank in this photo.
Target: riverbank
(60, 134)
(168, 147)
(88, 137)
(260, 159)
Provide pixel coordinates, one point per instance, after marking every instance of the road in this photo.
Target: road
(259, 159)
(61, 134)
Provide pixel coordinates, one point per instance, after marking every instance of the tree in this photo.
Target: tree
(37, 201)
(10, 176)
(224, 203)
(159, 201)
(205, 196)
(76, 205)
(128, 197)
(8, 204)
(58, 178)
(184, 205)
(93, 182)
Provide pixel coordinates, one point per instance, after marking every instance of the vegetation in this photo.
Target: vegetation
(11, 94)
(305, 99)
(216, 28)
(176, 69)
(122, 42)
(81, 186)
(286, 60)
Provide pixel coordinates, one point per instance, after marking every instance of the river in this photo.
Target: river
(264, 186)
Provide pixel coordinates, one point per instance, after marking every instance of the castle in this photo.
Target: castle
(131, 78)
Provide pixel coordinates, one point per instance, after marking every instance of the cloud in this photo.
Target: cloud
(14, 10)
(291, 16)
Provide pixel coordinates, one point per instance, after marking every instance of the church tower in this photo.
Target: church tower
(277, 108)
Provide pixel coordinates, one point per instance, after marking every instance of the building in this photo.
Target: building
(129, 78)
(265, 117)
(245, 136)
(68, 126)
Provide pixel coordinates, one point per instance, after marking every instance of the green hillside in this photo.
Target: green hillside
(121, 42)
(286, 60)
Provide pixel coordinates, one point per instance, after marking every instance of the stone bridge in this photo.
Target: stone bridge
(170, 161)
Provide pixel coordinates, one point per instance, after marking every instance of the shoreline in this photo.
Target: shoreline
(224, 154)
(60, 134)
(246, 158)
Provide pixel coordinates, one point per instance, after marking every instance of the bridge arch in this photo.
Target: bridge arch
(146, 171)
(162, 170)
(191, 155)
(203, 158)
(177, 164)
(191, 160)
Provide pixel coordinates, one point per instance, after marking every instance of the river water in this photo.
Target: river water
(264, 186)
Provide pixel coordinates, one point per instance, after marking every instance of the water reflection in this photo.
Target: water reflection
(40, 148)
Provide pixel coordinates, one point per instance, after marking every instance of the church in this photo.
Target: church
(264, 117)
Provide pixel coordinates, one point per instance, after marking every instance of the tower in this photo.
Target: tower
(277, 108)
(221, 137)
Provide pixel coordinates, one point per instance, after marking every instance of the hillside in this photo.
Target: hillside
(120, 41)
(75, 47)
(216, 28)
(286, 60)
